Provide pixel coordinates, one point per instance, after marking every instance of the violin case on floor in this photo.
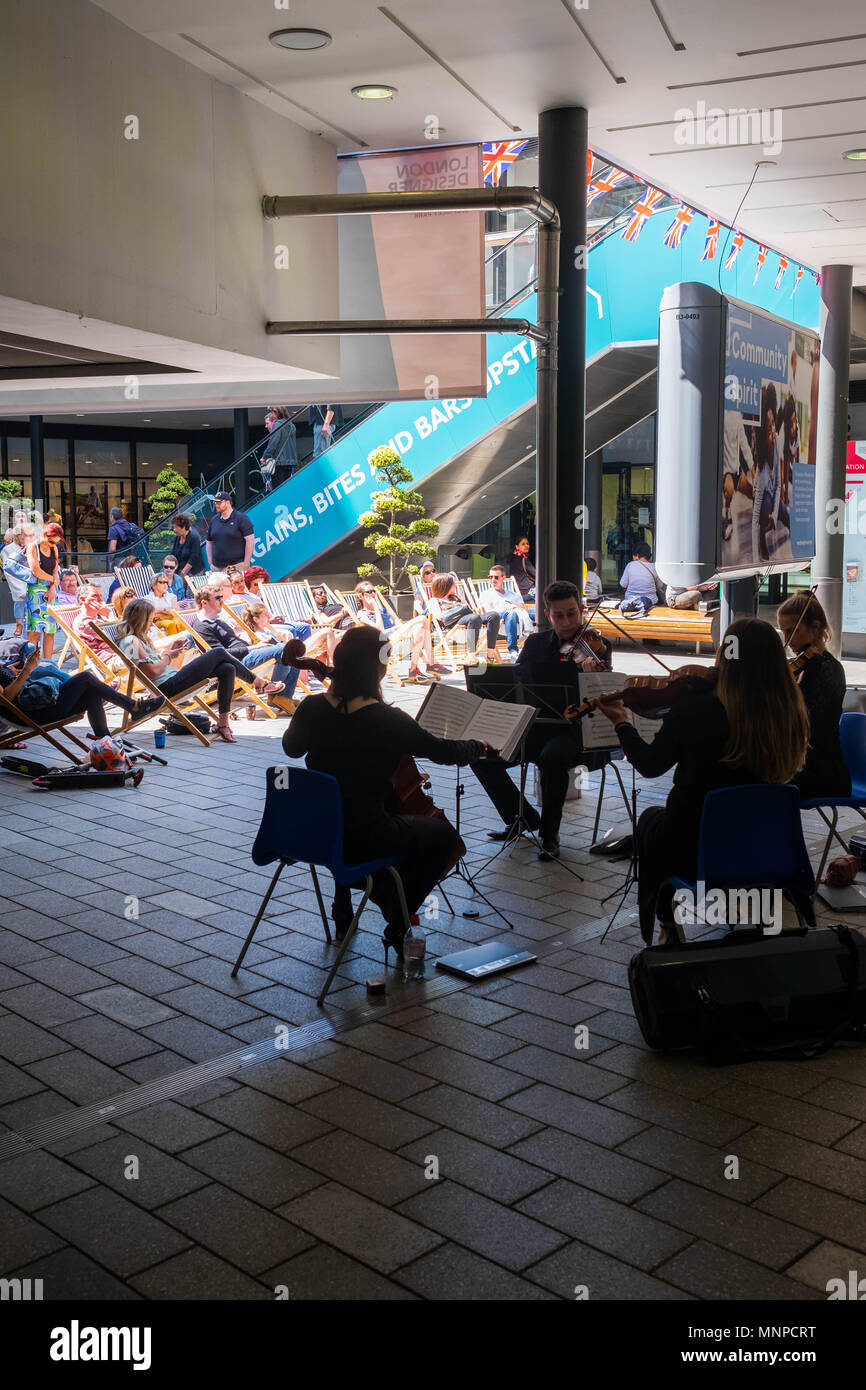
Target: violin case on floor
(745, 994)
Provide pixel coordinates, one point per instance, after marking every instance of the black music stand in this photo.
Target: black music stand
(507, 683)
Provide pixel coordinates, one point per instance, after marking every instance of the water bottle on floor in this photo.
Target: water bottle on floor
(414, 951)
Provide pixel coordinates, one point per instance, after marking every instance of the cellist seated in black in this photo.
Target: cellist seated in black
(803, 624)
(548, 658)
(746, 722)
(350, 733)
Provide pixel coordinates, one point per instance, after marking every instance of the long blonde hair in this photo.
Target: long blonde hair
(137, 618)
(769, 724)
(803, 610)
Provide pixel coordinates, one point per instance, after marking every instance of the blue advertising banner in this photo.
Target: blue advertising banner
(625, 281)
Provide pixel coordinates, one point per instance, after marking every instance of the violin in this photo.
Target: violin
(649, 695)
(410, 783)
(588, 644)
(798, 663)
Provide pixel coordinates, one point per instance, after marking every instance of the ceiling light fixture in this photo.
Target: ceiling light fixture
(854, 154)
(374, 91)
(300, 40)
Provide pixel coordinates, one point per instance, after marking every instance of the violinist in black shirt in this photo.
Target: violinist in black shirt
(350, 733)
(745, 723)
(821, 678)
(554, 657)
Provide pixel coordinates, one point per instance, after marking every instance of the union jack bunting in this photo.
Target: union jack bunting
(736, 248)
(797, 280)
(641, 211)
(817, 275)
(611, 180)
(678, 228)
(762, 256)
(783, 266)
(711, 244)
(496, 156)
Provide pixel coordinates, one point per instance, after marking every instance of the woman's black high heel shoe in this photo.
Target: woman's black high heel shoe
(393, 940)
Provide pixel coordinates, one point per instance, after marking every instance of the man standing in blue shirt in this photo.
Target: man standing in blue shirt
(230, 537)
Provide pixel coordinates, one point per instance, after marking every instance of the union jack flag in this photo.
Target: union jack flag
(712, 242)
(641, 211)
(496, 157)
(797, 280)
(817, 275)
(611, 180)
(783, 266)
(736, 248)
(590, 160)
(762, 256)
(678, 228)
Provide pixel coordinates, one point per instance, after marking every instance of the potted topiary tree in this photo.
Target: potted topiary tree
(172, 488)
(390, 538)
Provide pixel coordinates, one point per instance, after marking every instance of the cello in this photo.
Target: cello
(410, 783)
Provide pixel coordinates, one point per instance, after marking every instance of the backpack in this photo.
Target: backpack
(174, 726)
(131, 532)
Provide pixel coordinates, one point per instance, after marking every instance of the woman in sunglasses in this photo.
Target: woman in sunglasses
(417, 630)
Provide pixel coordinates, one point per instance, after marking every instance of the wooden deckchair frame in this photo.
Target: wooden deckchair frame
(248, 691)
(135, 676)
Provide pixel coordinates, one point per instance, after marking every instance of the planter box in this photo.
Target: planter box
(402, 603)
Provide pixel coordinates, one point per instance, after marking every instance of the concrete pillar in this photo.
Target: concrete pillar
(37, 463)
(739, 600)
(831, 430)
(562, 143)
(241, 445)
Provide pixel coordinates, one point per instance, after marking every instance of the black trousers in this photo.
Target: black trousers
(84, 694)
(474, 622)
(555, 754)
(430, 846)
(216, 665)
(659, 856)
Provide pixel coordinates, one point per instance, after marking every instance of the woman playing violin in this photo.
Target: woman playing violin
(821, 678)
(350, 733)
(748, 724)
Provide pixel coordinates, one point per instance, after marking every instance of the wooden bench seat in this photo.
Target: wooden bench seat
(663, 625)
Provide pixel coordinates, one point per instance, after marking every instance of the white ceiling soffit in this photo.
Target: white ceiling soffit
(484, 70)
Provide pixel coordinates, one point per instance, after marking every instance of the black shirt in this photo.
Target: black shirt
(693, 736)
(542, 662)
(188, 552)
(523, 570)
(227, 538)
(822, 685)
(362, 751)
(330, 610)
(218, 634)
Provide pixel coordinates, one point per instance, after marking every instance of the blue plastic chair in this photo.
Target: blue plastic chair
(303, 822)
(852, 732)
(752, 837)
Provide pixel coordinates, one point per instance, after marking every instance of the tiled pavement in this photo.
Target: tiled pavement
(445, 1146)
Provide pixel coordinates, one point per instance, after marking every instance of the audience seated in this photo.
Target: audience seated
(94, 608)
(218, 632)
(515, 619)
(455, 611)
(120, 598)
(67, 590)
(176, 584)
(135, 641)
(417, 630)
(334, 616)
(164, 601)
(47, 694)
(129, 562)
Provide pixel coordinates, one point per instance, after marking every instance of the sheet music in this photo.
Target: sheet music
(447, 711)
(597, 730)
(500, 725)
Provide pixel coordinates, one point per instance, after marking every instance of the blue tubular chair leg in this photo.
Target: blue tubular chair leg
(368, 888)
(321, 903)
(252, 931)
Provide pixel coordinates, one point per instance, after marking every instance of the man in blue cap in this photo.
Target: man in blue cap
(230, 537)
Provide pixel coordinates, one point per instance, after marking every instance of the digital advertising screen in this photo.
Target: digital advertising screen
(854, 586)
(768, 451)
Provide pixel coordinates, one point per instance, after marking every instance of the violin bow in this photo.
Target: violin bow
(625, 632)
(812, 593)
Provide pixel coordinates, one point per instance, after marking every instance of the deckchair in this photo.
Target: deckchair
(246, 687)
(137, 679)
(28, 726)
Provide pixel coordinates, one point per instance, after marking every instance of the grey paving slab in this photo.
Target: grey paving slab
(487, 1227)
(145, 976)
(42, 1005)
(262, 1117)
(551, 1106)
(170, 1126)
(565, 1070)
(208, 1005)
(392, 1044)
(37, 1179)
(79, 1077)
(687, 1076)
(126, 1006)
(838, 1218)
(839, 1096)
(287, 1081)
(579, 1272)
(114, 1232)
(15, 1083)
(236, 1229)
(811, 1122)
(96, 922)
(67, 1275)
(467, 1073)
(452, 1273)
(21, 1041)
(361, 1228)
(479, 1119)
(106, 1040)
(840, 1172)
(706, 1272)
(728, 1224)
(367, 1168)
(325, 1275)
(9, 977)
(191, 1039)
(525, 997)
(257, 1172)
(501, 1176)
(159, 1179)
(162, 949)
(607, 1225)
(15, 949)
(373, 1074)
(376, 1120)
(87, 950)
(824, 1262)
(589, 1165)
(197, 1275)
(655, 1106)
(700, 1163)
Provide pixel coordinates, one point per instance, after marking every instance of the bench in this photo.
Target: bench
(662, 625)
